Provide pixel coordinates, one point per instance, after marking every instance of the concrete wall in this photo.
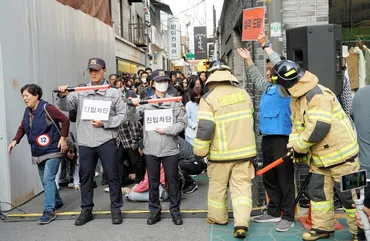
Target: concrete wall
(295, 13)
(46, 43)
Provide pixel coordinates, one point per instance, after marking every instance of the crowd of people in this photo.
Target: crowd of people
(202, 132)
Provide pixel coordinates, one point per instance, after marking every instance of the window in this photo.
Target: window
(354, 16)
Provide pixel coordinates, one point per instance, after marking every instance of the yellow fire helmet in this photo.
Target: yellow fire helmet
(220, 72)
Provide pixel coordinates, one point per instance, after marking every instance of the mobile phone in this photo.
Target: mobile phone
(353, 180)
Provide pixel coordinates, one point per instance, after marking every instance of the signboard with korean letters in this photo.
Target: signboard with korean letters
(95, 110)
(174, 46)
(161, 118)
(253, 23)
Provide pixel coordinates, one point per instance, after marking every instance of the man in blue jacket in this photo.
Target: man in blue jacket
(275, 127)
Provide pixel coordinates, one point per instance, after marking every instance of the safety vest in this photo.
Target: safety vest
(274, 116)
(339, 144)
(42, 135)
(225, 125)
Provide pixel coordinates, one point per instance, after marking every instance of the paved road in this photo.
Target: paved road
(102, 230)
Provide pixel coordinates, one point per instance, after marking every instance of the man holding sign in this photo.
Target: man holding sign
(99, 113)
(162, 122)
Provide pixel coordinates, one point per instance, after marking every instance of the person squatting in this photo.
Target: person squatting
(216, 109)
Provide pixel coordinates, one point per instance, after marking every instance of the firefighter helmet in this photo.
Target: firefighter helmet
(220, 72)
(286, 73)
(218, 64)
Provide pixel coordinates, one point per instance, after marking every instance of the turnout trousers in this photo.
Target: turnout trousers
(321, 193)
(236, 176)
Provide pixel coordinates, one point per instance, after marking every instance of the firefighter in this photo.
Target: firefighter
(223, 110)
(322, 132)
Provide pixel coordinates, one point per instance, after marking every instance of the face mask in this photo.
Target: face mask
(143, 80)
(161, 86)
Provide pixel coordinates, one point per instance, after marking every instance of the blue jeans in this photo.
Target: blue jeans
(47, 171)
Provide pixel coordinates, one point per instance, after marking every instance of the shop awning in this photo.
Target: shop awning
(179, 63)
(161, 6)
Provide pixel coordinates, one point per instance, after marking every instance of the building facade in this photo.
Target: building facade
(352, 15)
(295, 13)
(139, 34)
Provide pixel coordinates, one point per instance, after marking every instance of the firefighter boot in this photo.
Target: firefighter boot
(213, 222)
(313, 235)
(355, 237)
(240, 232)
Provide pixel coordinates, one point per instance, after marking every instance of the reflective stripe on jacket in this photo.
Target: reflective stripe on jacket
(225, 125)
(320, 126)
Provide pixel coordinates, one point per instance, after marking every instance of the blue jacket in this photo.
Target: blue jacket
(274, 116)
(42, 135)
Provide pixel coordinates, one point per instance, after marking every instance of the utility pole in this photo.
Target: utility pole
(215, 38)
(275, 19)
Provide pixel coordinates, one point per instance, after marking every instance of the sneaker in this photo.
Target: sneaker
(106, 189)
(284, 225)
(191, 188)
(266, 218)
(59, 205)
(47, 217)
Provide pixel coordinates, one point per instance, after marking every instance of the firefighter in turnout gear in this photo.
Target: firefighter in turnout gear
(323, 132)
(225, 135)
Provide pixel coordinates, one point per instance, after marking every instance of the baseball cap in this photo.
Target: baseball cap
(96, 64)
(159, 75)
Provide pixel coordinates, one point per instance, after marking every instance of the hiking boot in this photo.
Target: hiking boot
(284, 225)
(59, 205)
(240, 233)
(153, 219)
(177, 220)
(85, 217)
(191, 188)
(117, 218)
(266, 218)
(47, 217)
(313, 235)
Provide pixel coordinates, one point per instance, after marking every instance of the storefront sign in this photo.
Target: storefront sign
(200, 42)
(253, 23)
(161, 118)
(95, 110)
(174, 48)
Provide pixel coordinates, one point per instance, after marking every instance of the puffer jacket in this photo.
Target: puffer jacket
(165, 145)
(320, 126)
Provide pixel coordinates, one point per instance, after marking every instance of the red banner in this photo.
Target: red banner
(253, 23)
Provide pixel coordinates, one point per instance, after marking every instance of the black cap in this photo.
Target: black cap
(96, 64)
(159, 75)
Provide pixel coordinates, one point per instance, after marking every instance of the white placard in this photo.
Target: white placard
(275, 29)
(161, 118)
(95, 110)
(174, 45)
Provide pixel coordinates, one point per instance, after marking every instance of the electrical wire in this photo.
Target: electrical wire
(189, 8)
(13, 208)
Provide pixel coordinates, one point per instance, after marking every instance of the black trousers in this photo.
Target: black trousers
(107, 153)
(170, 165)
(191, 168)
(279, 181)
